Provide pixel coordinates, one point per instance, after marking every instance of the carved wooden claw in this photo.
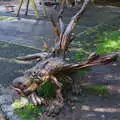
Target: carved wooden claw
(37, 100)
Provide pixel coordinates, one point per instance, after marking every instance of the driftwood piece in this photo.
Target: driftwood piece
(52, 66)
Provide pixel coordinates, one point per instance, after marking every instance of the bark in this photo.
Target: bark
(65, 41)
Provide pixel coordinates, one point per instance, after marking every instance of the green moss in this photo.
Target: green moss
(109, 42)
(80, 56)
(96, 90)
(30, 112)
(47, 90)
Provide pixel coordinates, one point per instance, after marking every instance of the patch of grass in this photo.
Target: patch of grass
(5, 18)
(10, 50)
(80, 56)
(109, 42)
(108, 2)
(30, 112)
(96, 89)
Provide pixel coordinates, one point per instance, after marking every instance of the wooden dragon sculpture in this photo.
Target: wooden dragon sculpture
(52, 66)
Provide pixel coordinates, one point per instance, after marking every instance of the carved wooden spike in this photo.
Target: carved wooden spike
(66, 36)
(55, 27)
(62, 26)
(101, 60)
(36, 56)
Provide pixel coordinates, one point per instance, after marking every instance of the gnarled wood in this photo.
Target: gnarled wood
(66, 33)
(52, 66)
(55, 27)
(36, 56)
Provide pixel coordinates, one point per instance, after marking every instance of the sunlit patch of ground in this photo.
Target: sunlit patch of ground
(5, 18)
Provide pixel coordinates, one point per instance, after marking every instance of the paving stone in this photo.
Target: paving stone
(9, 114)
(7, 108)
(6, 99)
(15, 117)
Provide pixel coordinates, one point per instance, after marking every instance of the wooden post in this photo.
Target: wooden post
(26, 12)
(21, 2)
(35, 9)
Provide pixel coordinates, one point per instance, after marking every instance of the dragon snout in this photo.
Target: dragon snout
(20, 85)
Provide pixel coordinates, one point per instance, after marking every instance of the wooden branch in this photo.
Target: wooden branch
(67, 34)
(55, 27)
(62, 26)
(101, 60)
(36, 56)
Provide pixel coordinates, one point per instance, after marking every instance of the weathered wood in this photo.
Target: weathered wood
(65, 41)
(52, 66)
(36, 56)
(100, 60)
(55, 27)
(62, 26)
(66, 33)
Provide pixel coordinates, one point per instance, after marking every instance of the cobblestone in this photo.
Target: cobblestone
(6, 99)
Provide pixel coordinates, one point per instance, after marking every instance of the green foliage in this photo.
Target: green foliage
(30, 112)
(105, 42)
(109, 42)
(80, 56)
(47, 90)
(96, 89)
